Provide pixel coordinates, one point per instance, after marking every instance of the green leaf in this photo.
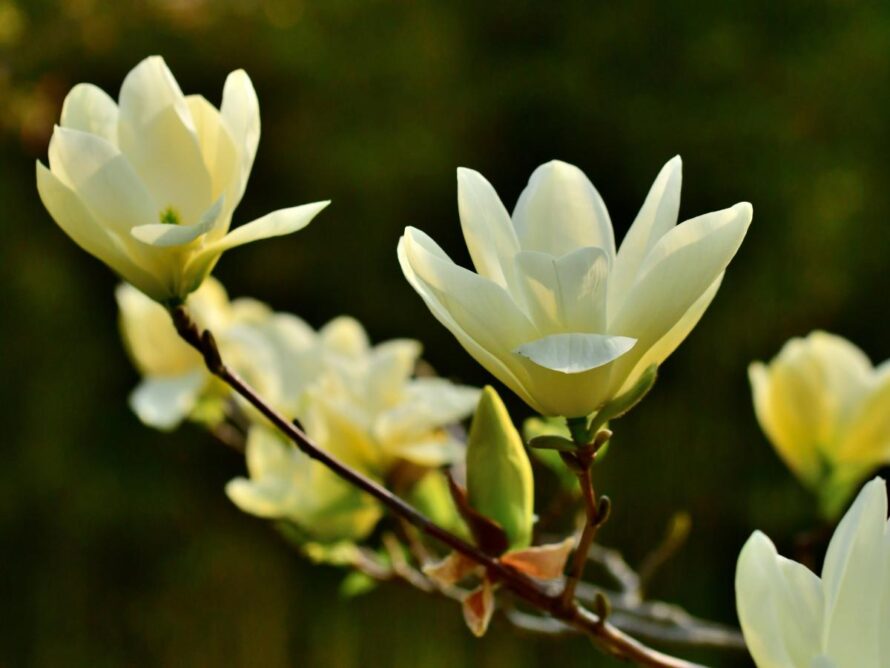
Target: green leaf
(356, 584)
(547, 442)
(499, 474)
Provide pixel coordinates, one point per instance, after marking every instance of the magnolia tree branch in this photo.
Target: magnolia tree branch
(605, 635)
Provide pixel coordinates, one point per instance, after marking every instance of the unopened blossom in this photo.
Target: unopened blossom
(553, 310)
(148, 184)
(826, 410)
(792, 618)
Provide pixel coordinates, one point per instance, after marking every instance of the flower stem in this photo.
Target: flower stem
(609, 638)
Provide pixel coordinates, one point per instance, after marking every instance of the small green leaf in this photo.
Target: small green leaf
(499, 474)
(552, 443)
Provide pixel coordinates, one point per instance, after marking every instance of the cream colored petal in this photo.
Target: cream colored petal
(668, 343)
(275, 224)
(575, 353)
(157, 134)
(779, 604)
(241, 112)
(486, 335)
(391, 365)
(164, 402)
(72, 215)
(560, 211)
(345, 336)
(657, 216)
(566, 294)
(267, 454)
(487, 228)
(427, 404)
(88, 108)
(681, 268)
(102, 178)
(867, 437)
(163, 235)
(855, 560)
(221, 156)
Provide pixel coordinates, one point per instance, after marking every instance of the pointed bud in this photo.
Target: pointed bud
(499, 475)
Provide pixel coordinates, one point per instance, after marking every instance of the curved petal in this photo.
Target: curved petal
(560, 211)
(668, 343)
(103, 178)
(779, 604)
(681, 267)
(163, 403)
(565, 294)
(476, 310)
(487, 229)
(221, 157)
(867, 438)
(275, 224)
(88, 108)
(70, 213)
(657, 216)
(345, 336)
(157, 134)
(856, 557)
(575, 353)
(241, 113)
(162, 235)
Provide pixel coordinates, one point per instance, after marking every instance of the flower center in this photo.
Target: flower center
(169, 216)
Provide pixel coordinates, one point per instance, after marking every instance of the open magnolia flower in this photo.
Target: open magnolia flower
(148, 185)
(826, 410)
(554, 312)
(793, 619)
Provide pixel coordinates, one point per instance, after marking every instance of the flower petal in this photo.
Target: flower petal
(483, 319)
(70, 213)
(657, 216)
(779, 605)
(164, 402)
(487, 229)
(162, 235)
(157, 134)
(855, 559)
(88, 108)
(560, 211)
(867, 438)
(275, 224)
(544, 562)
(218, 149)
(565, 294)
(681, 268)
(241, 113)
(575, 353)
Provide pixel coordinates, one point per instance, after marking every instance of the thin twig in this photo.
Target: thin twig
(604, 634)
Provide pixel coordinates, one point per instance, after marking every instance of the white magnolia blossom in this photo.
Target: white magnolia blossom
(285, 484)
(148, 184)
(175, 378)
(554, 311)
(826, 410)
(792, 618)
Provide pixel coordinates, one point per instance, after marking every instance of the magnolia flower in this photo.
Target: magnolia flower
(175, 378)
(793, 619)
(285, 484)
(148, 185)
(826, 410)
(554, 312)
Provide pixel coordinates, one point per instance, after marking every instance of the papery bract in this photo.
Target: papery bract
(553, 311)
(826, 410)
(792, 618)
(148, 185)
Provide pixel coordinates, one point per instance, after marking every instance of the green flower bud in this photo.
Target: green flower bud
(499, 475)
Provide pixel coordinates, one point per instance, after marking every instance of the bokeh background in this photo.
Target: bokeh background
(117, 544)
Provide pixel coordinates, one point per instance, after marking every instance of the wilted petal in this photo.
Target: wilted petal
(779, 604)
(487, 228)
(657, 216)
(851, 577)
(478, 607)
(241, 112)
(88, 108)
(544, 562)
(560, 211)
(163, 403)
(452, 569)
(157, 133)
(566, 293)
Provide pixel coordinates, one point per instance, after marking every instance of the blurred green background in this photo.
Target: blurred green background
(118, 544)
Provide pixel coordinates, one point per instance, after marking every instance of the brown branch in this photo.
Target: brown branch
(605, 635)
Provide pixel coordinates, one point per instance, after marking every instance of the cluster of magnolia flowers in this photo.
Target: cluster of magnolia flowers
(572, 323)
